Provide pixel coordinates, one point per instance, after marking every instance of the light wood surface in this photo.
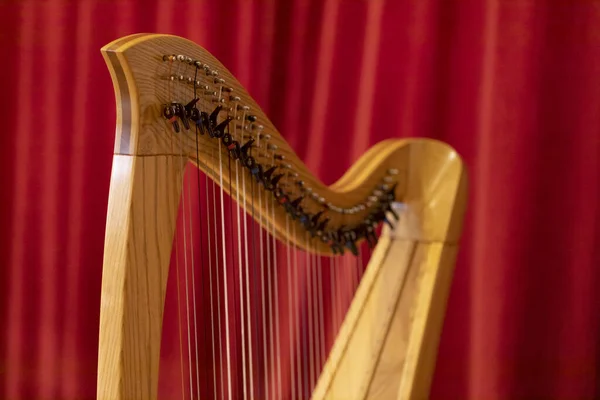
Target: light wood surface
(387, 345)
(142, 212)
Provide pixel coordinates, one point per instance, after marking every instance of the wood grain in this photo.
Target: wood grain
(142, 212)
(144, 82)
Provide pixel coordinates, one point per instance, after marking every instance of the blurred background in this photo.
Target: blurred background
(514, 86)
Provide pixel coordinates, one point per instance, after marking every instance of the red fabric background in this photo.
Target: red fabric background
(513, 86)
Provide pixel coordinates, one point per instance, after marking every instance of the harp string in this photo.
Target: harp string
(247, 281)
(297, 326)
(321, 311)
(309, 308)
(240, 267)
(290, 306)
(276, 295)
(210, 280)
(316, 306)
(224, 270)
(217, 283)
(256, 271)
(201, 241)
(269, 317)
(183, 162)
(176, 243)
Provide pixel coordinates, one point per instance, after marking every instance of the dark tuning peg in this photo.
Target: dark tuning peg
(190, 106)
(267, 178)
(169, 114)
(245, 148)
(269, 172)
(179, 110)
(219, 130)
(276, 179)
(297, 201)
(232, 146)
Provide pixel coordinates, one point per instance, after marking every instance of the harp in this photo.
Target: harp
(399, 209)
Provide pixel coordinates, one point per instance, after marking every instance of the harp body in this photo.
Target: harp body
(387, 344)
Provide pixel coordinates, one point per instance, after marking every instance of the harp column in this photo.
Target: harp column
(142, 215)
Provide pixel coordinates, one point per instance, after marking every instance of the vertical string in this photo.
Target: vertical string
(210, 283)
(216, 236)
(248, 316)
(241, 278)
(321, 324)
(315, 306)
(309, 307)
(192, 249)
(256, 279)
(175, 178)
(232, 247)
(276, 295)
(225, 291)
(305, 333)
(290, 306)
(269, 299)
(185, 253)
(297, 307)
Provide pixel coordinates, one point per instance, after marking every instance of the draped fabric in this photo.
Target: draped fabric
(513, 86)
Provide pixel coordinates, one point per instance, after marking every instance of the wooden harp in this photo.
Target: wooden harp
(176, 105)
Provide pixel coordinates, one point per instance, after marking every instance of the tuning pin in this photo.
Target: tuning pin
(249, 161)
(171, 117)
(276, 179)
(305, 221)
(316, 217)
(267, 178)
(231, 145)
(212, 119)
(349, 238)
(297, 202)
(203, 123)
(370, 236)
(257, 171)
(246, 147)
(220, 129)
(352, 247)
(322, 225)
(190, 106)
(194, 115)
(334, 244)
(179, 110)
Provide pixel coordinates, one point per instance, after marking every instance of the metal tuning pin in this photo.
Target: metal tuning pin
(334, 244)
(212, 120)
(169, 114)
(267, 178)
(297, 201)
(219, 130)
(190, 106)
(349, 238)
(315, 219)
(257, 172)
(232, 146)
(179, 110)
(281, 197)
(370, 235)
(276, 179)
(245, 148)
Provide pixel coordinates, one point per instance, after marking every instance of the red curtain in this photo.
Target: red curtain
(514, 86)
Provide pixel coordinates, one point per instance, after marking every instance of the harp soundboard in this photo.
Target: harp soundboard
(269, 252)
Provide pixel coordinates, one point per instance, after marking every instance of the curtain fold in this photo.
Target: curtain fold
(513, 86)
